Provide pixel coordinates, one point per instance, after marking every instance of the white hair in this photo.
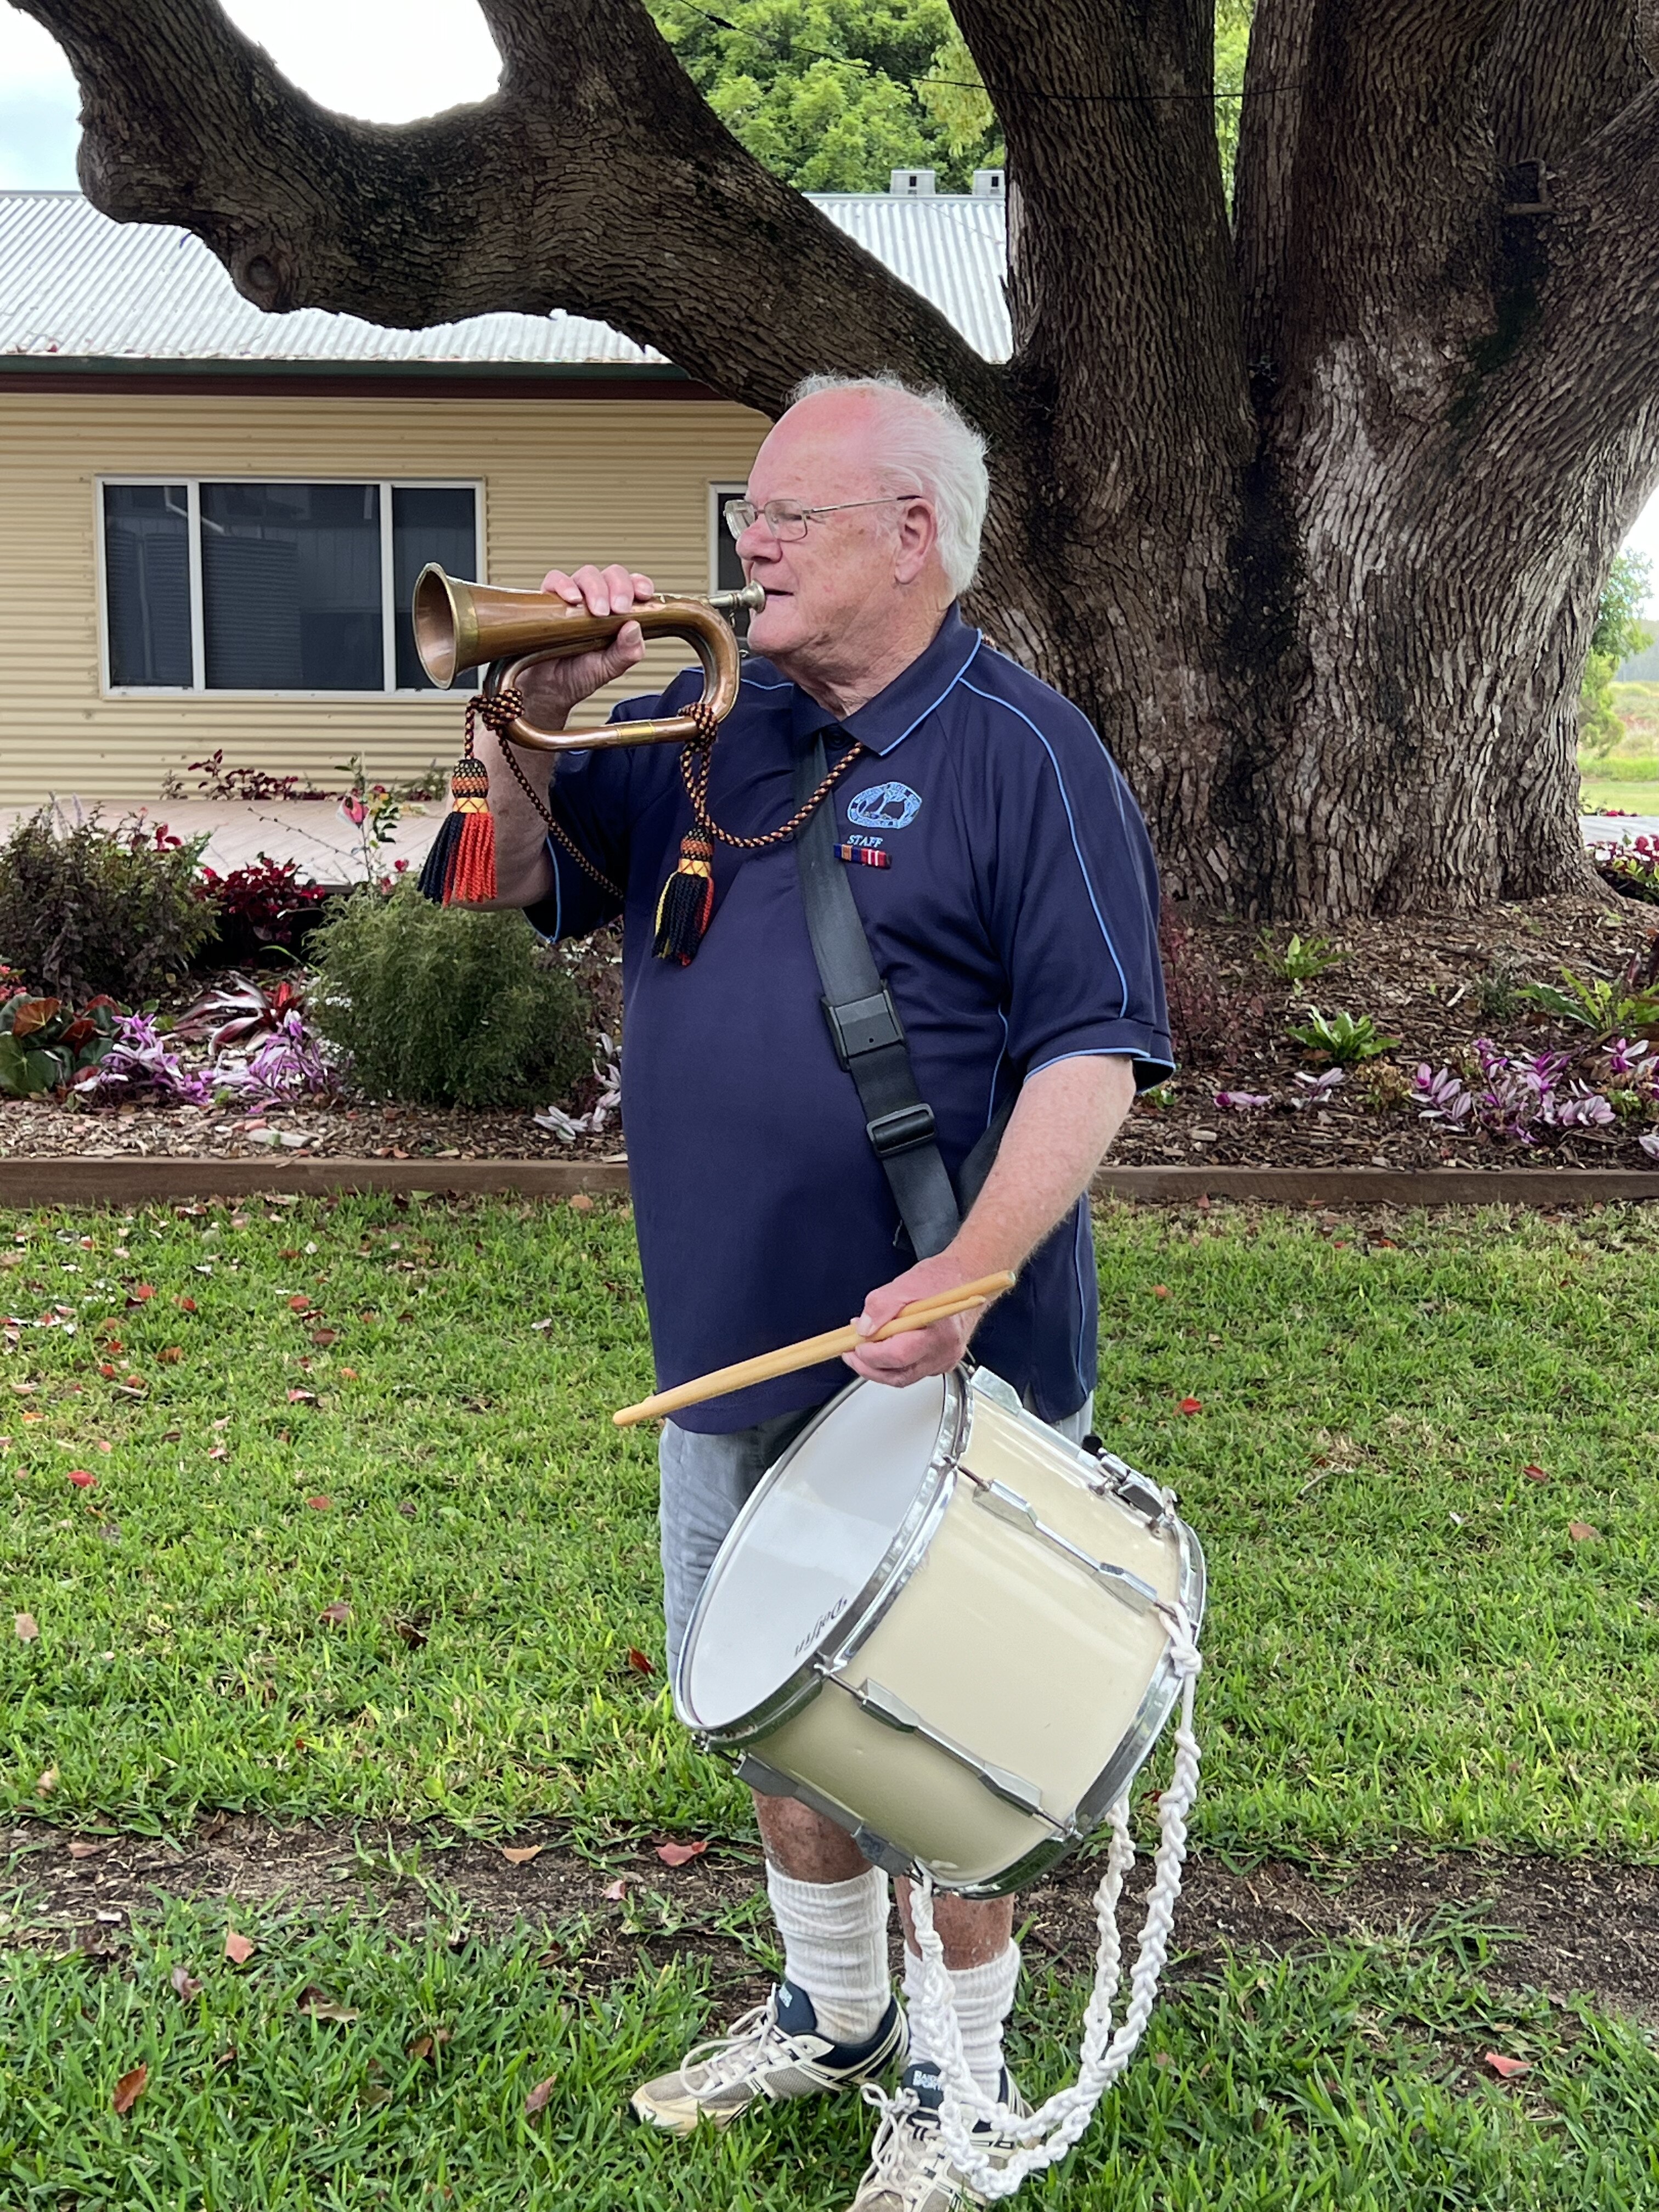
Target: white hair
(924, 435)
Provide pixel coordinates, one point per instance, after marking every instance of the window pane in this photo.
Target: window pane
(291, 587)
(147, 573)
(728, 569)
(427, 524)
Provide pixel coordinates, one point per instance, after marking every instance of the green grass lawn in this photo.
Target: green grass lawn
(364, 1543)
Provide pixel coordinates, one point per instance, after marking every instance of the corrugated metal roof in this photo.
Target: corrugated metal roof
(76, 286)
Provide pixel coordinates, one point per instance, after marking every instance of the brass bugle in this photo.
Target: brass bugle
(463, 625)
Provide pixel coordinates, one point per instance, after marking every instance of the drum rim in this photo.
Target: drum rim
(893, 1570)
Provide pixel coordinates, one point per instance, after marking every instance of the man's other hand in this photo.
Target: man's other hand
(915, 1353)
(552, 688)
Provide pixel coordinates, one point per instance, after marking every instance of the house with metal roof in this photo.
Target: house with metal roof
(216, 515)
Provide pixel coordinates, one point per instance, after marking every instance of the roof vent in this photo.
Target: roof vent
(913, 183)
(990, 184)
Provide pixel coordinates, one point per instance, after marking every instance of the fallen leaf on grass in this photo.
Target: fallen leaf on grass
(170, 1355)
(679, 1855)
(1584, 1532)
(143, 1291)
(317, 2004)
(523, 1855)
(411, 1632)
(26, 1626)
(339, 1612)
(239, 1949)
(319, 1505)
(186, 1305)
(299, 1303)
(1190, 1406)
(302, 1397)
(82, 1850)
(168, 1436)
(324, 1337)
(46, 1782)
(617, 1891)
(82, 1478)
(537, 2101)
(1534, 1474)
(347, 1374)
(1160, 1290)
(581, 1203)
(424, 2046)
(218, 1452)
(376, 2092)
(638, 1661)
(186, 1983)
(1507, 2069)
(130, 2089)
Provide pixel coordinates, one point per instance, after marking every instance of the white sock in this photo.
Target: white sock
(985, 1997)
(835, 1947)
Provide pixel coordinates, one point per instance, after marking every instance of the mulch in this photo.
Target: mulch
(1571, 1927)
(1430, 982)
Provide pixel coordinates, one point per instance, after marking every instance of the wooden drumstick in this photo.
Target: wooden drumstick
(810, 1351)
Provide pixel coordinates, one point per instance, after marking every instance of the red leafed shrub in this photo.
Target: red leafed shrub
(263, 906)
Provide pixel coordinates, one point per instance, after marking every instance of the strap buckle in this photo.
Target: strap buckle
(858, 1026)
(903, 1130)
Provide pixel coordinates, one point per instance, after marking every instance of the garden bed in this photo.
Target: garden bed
(1436, 985)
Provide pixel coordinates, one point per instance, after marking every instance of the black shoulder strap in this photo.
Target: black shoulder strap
(869, 1038)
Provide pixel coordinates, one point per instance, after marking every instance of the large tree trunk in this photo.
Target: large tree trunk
(1309, 514)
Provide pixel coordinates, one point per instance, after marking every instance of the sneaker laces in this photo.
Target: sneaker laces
(724, 2059)
(894, 2164)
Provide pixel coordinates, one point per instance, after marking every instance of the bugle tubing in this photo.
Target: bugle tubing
(459, 625)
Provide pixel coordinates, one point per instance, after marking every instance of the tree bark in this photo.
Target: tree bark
(1309, 515)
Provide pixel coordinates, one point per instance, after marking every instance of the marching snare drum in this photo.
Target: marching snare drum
(946, 1628)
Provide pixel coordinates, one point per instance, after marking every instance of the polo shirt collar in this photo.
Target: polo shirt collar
(888, 719)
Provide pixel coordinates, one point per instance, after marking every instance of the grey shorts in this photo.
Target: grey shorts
(707, 1481)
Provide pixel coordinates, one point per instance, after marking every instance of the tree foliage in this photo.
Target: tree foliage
(1618, 634)
(833, 96)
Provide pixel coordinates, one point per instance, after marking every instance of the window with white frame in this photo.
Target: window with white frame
(724, 569)
(275, 585)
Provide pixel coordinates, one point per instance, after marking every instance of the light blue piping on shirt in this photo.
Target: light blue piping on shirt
(892, 746)
(992, 700)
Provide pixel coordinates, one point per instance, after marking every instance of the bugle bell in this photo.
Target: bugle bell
(465, 625)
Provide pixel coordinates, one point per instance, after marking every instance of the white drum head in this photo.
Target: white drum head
(805, 1545)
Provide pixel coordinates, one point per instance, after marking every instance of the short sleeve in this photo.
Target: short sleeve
(1074, 901)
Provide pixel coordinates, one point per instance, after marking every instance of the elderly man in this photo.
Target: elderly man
(1010, 908)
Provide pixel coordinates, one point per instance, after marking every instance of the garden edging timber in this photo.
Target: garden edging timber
(74, 1179)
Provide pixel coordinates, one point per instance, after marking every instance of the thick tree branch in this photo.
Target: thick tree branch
(1560, 73)
(1119, 276)
(1269, 132)
(598, 180)
(1393, 210)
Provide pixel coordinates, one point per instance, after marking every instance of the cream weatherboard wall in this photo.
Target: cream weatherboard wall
(564, 480)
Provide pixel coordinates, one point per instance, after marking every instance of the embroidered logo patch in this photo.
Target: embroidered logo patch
(884, 806)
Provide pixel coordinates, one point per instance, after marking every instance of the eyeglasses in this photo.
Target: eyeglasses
(787, 521)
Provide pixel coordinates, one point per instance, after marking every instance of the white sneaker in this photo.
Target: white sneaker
(775, 2051)
(910, 2168)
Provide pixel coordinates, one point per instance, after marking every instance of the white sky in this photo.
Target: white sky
(387, 60)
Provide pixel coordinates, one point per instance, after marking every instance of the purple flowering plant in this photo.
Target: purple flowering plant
(1529, 1100)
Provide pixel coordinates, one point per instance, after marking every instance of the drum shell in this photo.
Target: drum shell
(978, 1715)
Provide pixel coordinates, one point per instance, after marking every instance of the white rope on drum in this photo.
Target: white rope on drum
(1050, 2132)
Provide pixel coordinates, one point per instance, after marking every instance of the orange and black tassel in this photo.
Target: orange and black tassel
(687, 905)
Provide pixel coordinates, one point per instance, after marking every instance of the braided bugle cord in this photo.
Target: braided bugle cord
(697, 762)
(1050, 2132)
(498, 711)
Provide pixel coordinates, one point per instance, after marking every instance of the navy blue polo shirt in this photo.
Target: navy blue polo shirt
(1015, 924)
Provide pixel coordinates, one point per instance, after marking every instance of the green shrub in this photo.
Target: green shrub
(86, 911)
(439, 1007)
